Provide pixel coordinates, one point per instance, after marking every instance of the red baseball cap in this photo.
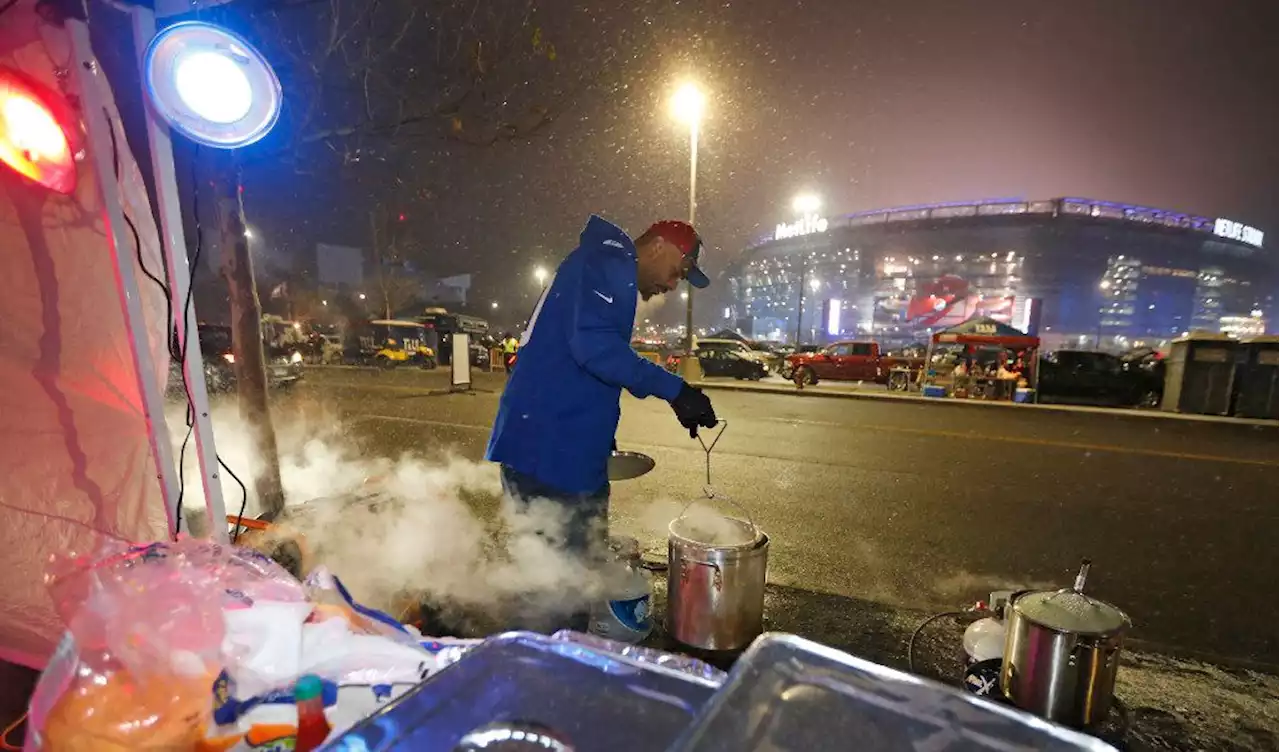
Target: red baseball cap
(683, 236)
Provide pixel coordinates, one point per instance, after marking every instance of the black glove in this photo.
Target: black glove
(693, 410)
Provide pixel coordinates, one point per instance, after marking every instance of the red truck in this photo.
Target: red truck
(848, 361)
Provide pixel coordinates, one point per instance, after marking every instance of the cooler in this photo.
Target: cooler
(523, 683)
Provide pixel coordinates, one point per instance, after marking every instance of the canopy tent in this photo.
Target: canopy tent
(984, 332)
(981, 330)
(78, 466)
(728, 334)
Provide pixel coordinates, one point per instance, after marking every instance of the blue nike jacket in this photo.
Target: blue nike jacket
(559, 413)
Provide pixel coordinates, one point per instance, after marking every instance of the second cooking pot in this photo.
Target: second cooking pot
(1061, 653)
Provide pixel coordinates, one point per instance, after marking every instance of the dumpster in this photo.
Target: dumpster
(1256, 378)
(1199, 375)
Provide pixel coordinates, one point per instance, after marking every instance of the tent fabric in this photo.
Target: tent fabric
(78, 467)
(728, 334)
(981, 330)
(982, 325)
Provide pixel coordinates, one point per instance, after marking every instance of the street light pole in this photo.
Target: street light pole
(804, 264)
(804, 205)
(693, 210)
(687, 105)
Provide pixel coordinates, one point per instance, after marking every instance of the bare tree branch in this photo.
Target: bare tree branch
(362, 78)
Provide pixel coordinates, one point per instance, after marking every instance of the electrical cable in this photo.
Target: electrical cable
(176, 349)
(195, 267)
(12, 727)
(911, 644)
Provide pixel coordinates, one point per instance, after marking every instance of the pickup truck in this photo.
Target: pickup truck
(847, 361)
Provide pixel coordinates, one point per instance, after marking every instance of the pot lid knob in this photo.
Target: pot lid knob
(1082, 575)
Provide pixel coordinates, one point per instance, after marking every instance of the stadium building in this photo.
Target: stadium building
(1078, 272)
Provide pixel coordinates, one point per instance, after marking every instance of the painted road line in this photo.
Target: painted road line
(1029, 440)
(421, 421)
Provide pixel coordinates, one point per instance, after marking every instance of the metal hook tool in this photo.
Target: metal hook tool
(723, 424)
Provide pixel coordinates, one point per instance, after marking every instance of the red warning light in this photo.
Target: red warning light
(401, 217)
(33, 140)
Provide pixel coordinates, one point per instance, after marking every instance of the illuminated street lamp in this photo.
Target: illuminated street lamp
(494, 305)
(689, 106)
(540, 274)
(806, 203)
(362, 296)
(814, 285)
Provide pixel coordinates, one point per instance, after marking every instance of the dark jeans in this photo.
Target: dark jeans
(584, 534)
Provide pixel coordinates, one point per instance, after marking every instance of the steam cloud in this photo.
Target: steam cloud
(412, 525)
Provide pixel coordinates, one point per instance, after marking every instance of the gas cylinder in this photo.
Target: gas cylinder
(984, 640)
(624, 613)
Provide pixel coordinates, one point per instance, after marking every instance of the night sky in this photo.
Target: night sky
(868, 104)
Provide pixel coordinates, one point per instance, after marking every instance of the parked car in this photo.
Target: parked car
(732, 345)
(723, 362)
(284, 364)
(1084, 376)
(847, 361)
(785, 352)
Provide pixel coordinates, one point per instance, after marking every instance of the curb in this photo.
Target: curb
(1067, 409)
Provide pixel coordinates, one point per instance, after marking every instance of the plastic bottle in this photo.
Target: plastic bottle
(625, 615)
(313, 727)
(984, 640)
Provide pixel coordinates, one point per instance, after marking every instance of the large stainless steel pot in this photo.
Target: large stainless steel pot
(715, 587)
(1061, 653)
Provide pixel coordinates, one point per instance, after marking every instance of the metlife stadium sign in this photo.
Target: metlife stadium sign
(1232, 230)
(811, 224)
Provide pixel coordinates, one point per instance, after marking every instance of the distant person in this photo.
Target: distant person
(509, 346)
(557, 417)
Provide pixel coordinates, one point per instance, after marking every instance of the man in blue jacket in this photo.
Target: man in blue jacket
(557, 417)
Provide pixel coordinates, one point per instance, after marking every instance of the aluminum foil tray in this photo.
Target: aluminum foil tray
(583, 697)
(790, 694)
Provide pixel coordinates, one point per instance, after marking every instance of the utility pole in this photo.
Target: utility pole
(246, 329)
(378, 267)
(804, 268)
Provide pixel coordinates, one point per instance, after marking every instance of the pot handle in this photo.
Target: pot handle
(708, 490)
(708, 447)
(717, 579)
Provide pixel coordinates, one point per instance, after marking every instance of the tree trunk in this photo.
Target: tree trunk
(246, 331)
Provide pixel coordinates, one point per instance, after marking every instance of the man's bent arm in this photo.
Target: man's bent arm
(600, 343)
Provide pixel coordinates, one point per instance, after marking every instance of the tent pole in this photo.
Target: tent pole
(102, 147)
(174, 244)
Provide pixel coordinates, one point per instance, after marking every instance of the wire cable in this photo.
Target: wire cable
(12, 727)
(177, 349)
(911, 644)
(195, 267)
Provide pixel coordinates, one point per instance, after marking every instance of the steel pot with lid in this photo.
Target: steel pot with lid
(716, 571)
(1061, 653)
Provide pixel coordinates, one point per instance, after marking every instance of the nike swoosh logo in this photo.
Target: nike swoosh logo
(603, 297)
